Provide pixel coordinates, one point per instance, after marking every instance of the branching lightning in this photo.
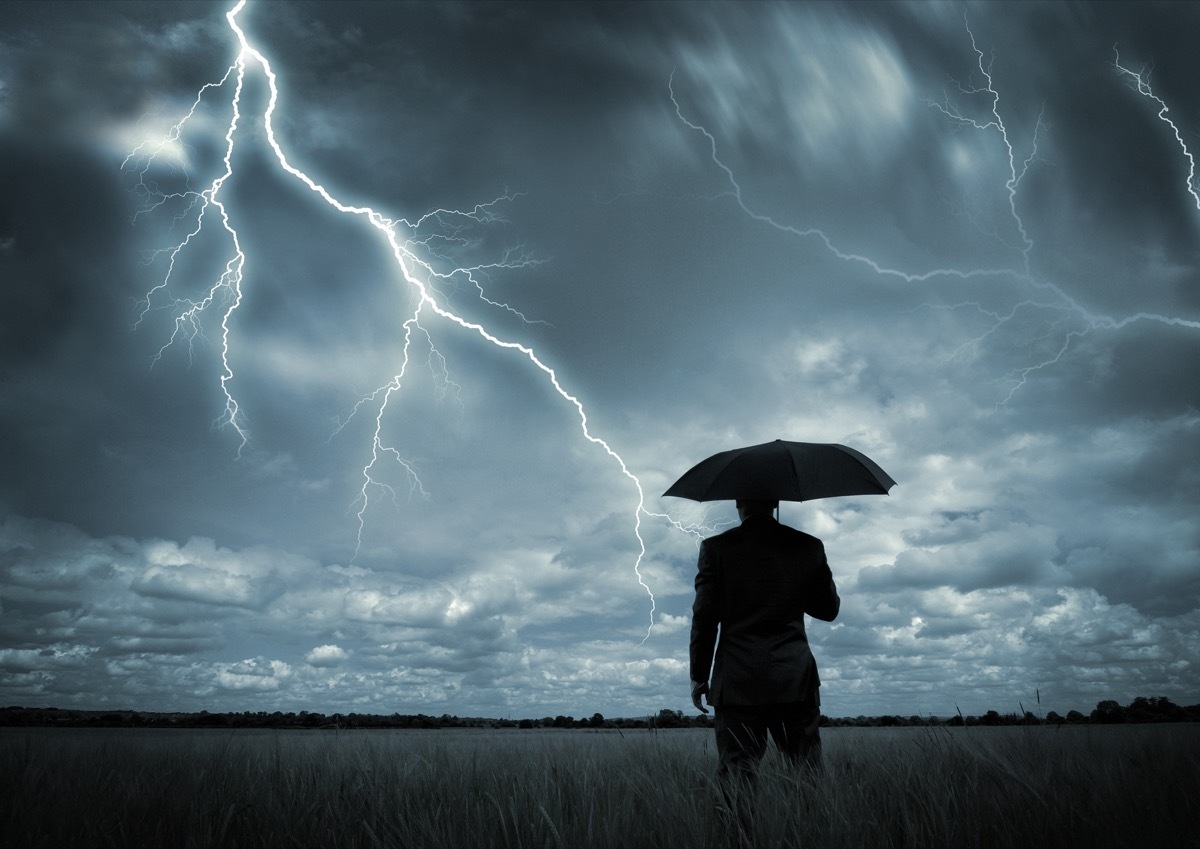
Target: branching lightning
(228, 285)
(996, 122)
(1072, 314)
(1142, 81)
(414, 258)
(736, 193)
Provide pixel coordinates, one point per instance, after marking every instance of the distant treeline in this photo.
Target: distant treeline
(1141, 709)
(1107, 712)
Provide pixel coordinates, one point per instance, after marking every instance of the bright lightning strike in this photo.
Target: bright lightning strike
(413, 257)
(1142, 81)
(1072, 314)
(227, 288)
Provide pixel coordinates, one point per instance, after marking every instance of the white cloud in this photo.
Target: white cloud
(327, 655)
(668, 624)
(254, 674)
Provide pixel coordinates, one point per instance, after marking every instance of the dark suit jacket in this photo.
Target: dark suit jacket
(756, 582)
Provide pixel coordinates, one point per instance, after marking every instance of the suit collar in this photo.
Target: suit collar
(761, 518)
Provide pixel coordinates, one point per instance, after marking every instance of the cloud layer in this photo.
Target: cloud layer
(957, 238)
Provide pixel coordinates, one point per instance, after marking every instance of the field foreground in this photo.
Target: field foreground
(1081, 787)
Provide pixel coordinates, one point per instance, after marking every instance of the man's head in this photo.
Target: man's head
(747, 507)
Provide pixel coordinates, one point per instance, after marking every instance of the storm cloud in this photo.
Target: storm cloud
(957, 237)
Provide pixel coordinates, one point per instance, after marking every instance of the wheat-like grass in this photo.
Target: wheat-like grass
(980, 787)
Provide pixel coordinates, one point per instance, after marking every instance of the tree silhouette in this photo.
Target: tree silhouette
(1108, 711)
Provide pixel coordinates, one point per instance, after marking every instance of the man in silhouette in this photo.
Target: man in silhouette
(755, 582)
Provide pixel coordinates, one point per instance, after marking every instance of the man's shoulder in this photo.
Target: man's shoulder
(798, 534)
(784, 535)
(751, 529)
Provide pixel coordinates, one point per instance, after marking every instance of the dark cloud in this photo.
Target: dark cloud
(1009, 334)
(58, 206)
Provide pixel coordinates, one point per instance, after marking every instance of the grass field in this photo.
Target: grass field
(1097, 786)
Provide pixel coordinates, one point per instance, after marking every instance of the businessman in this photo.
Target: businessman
(754, 584)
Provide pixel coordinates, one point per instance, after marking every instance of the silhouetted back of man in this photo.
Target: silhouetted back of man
(754, 584)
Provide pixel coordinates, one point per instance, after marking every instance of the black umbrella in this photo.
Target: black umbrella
(783, 471)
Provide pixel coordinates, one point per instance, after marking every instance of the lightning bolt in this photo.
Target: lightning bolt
(736, 193)
(996, 122)
(227, 287)
(1054, 299)
(414, 259)
(1142, 81)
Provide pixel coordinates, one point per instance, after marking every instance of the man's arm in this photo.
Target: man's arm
(824, 603)
(706, 616)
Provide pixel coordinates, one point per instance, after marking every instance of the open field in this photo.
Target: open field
(1081, 787)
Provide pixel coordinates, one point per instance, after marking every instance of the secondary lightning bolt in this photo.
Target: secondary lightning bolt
(1142, 80)
(417, 271)
(736, 193)
(228, 285)
(1055, 299)
(996, 122)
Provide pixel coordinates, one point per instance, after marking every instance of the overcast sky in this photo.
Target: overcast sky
(606, 242)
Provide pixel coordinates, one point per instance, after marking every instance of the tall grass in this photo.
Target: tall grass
(981, 787)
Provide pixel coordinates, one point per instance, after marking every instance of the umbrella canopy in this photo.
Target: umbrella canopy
(783, 471)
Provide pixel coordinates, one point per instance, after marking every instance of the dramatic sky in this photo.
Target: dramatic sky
(262, 454)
